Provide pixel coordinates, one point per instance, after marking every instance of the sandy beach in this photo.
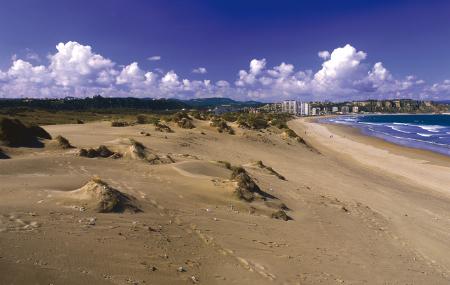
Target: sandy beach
(362, 212)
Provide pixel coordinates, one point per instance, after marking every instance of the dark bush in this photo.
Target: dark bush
(119, 124)
(63, 142)
(14, 133)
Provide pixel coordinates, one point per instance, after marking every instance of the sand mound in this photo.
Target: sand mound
(15, 133)
(222, 126)
(101, 151)
(159, 127)
(202, 168)
(63, 142)
(140, 152)
(3, 155)
(185, 123)
(280, 215)
(247, 189)
(103, 198)
(269, 169)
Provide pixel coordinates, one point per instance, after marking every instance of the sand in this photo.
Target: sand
(353, 222)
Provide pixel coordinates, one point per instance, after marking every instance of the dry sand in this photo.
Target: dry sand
(355, 221)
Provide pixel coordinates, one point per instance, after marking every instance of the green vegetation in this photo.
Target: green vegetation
(221, 125)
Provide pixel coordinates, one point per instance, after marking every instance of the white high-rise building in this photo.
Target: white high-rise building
(304, 109)
(290, 106)
(296, 108)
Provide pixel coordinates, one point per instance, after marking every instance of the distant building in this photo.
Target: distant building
(290, 106)
(345, 109)
(313, 112)
(304, 109)
(296, 108)
(355, 109)
(334, 109)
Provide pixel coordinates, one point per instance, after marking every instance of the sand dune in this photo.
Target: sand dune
(350, 224)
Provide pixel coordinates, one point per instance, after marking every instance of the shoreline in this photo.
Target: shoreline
(410, 143)
(413, 152)
(350, 145)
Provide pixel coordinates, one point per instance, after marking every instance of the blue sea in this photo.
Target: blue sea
(429, 132)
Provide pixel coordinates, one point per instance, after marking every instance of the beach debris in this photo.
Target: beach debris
(181, 269)
(194, 279)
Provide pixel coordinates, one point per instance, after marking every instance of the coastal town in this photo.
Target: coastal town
(356, 107)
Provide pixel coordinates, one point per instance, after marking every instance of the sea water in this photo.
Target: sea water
(429, 132)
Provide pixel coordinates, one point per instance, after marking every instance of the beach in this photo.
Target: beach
(360, 212)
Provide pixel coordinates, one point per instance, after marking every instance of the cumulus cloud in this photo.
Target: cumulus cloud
(154, 58)
(324, 54)
(200, 70)
(75, 69)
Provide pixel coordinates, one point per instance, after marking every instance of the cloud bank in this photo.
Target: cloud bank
(345, 74)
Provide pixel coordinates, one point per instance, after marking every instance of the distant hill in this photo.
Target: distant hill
(213, 102)
(99, 102)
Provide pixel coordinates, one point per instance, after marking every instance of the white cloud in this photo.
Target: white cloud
(75, 65)
(76, 70)
(324, 54)
(200, 70)
(154, 58)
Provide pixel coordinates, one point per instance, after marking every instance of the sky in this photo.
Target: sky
(265, 50)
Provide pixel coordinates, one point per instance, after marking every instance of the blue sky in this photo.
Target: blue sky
(383, 49)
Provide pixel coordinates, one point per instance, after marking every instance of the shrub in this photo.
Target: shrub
(119, 124)
(63, 142)
(162, 128)
(221, 126)
(179, 116)
(141, 119)
(15, 133)
(185, 123)
(101, 151)
(281, 215)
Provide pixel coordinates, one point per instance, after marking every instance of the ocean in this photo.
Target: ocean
(428, 132)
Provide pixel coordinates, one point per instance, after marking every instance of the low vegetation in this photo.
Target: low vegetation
(160, 127)
(14, 133)
(101, 151)
(63, 142)
(261, 165)
(247, 189)
(280, 215)
(119, 124)
(185, 123)
(106, 198)
(221, 125)
(3, 155)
